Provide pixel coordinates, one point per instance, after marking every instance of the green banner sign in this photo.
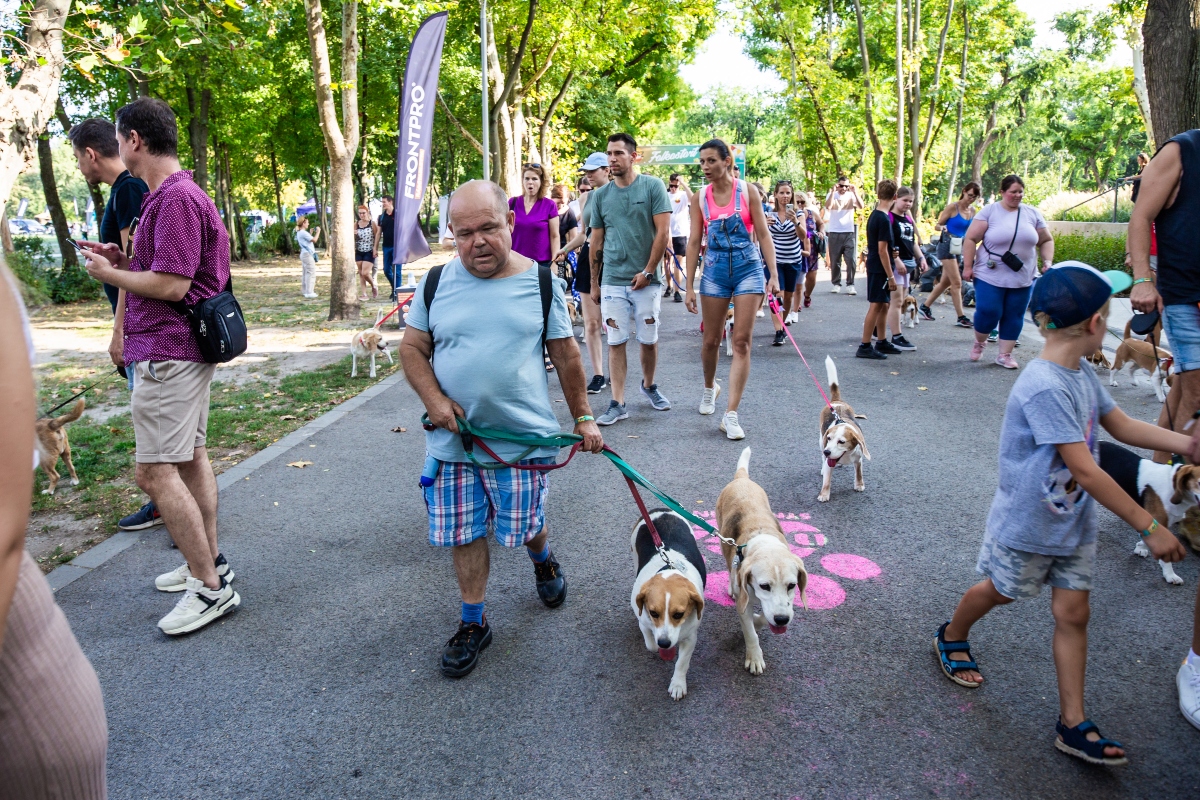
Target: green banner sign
(654, 155)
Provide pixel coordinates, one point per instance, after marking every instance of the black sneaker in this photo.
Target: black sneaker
(866, 351)
(924, 313)
(145, 517)
(678, 296)
(461, 653)
(964, 322)
(886, 347)
(597, 384)
(900, 343)
(779, 337)
(551, 583)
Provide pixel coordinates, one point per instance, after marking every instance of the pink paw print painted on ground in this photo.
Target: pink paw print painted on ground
(823, 592)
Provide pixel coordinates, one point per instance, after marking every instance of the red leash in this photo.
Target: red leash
(775, 310)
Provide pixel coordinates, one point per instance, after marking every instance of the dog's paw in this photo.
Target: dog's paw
(755, 663)
(1172, 578)
(860, 487)
(678, 688)
(1140, 549)
(74, 481)
(823, 497)
(47, 491)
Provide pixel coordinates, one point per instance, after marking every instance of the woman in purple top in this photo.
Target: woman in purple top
(536, 225)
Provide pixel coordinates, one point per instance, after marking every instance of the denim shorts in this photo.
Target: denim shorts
(1181, 324)
(745, 277)
(465, 501)
(1019, 574)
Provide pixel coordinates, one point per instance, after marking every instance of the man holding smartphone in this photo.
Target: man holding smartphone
(94, 143)
(840, 204)
(882, 258)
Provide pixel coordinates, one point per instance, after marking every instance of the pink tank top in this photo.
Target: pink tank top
(721, 212)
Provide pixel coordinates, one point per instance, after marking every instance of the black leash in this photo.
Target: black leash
(81, 394)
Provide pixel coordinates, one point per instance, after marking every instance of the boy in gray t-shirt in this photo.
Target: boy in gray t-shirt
(1042, 525)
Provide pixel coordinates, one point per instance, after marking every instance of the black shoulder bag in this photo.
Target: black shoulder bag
(218, 325)
(1011, 259)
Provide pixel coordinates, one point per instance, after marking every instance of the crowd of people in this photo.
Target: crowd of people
(499, 310)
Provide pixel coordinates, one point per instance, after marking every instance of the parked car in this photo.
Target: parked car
(26, 227)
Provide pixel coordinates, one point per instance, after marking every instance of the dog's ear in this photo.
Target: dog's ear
(641, 600)
(743, 575)
(802, 582)
(1180, 481)
(860, 416)
(862, 442)
(697, 600)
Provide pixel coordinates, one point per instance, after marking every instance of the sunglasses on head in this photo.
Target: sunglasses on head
(533, 166)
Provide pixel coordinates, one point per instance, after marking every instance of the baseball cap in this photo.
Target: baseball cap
(1071, 292)
(594, 161)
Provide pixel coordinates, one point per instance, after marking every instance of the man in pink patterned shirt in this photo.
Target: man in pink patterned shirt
(180, 253)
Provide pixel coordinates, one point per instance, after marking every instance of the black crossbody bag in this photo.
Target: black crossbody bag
(1011, 259)
(217, 324)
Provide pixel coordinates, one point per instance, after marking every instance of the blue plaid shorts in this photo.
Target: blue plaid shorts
(1019, 574)
(465, 501)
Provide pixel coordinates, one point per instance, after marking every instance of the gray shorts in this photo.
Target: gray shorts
(1019, 574)
(169, 407)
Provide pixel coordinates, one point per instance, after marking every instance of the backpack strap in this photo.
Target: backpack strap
(546, 290)
(431, 284)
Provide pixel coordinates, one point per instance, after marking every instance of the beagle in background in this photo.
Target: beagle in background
(761, 565)
(1167, 491)
(728, 333)
(367, 344)
(840, 438)
(51, 441)
(1099, 360)
(668, 599)
(909, 318)
(1138, 354)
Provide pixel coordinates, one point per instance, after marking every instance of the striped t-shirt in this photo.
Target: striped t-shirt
(788, 249)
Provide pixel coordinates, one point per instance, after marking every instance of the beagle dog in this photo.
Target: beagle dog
(909, 318)
(668, 598)
(1153, 336)
(1138, 354)
(761, 565)
(1167, 491)
(51, 441)
(728, 332)
(1099, 360)
(367, 344)
(840, 438)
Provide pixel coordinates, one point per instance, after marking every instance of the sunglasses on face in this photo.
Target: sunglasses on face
(585, 189)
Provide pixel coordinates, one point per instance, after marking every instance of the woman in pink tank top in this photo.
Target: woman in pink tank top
(726, 213)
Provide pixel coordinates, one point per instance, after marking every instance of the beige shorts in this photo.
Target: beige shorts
(170, 409)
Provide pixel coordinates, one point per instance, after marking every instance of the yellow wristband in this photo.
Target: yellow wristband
(585, 418)
(1153, 527)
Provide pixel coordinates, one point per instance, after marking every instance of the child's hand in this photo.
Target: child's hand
(1164, 545)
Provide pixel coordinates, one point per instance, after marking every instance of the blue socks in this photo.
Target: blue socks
(472, 612)
(542, 556)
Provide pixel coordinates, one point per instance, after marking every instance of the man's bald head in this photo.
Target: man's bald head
(482, 226)
(474, 196)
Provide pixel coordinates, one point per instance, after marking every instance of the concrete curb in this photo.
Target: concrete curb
(118, 542)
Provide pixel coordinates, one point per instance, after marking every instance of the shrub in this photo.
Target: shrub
(1102, 251)
(1098, 209)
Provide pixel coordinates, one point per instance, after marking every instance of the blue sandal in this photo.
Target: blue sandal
(1074, 741)
(951, 667)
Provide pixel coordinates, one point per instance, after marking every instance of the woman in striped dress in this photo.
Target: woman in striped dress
(792, 248)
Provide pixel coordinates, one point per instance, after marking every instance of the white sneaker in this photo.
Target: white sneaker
(837, 287)
(708, 404)
(198, 607)
(176, 579)
(760, 313)
(791, 318)
(1187, 680)
(730, 427)
(851, 290)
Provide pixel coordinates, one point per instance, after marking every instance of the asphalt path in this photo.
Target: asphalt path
(325, 684)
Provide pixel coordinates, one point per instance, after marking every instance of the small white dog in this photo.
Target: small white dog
(668, 601)
(366, 344)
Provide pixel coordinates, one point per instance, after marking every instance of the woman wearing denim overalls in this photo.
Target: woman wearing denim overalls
(726, 213)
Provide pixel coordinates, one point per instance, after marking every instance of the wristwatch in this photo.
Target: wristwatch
(649, 275)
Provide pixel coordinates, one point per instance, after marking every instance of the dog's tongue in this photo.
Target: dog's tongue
(831, 462)
(778, 628)
(667, 653)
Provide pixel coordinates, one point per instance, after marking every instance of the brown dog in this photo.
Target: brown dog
(1139, 354)
(761, 565)
(1150, 337)
(841, 440)
(52, 442)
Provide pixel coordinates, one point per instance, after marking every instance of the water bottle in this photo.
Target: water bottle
(429, 474)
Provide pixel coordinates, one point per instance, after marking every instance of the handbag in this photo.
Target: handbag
(1011, 259)
(218, 325)
(956, 245)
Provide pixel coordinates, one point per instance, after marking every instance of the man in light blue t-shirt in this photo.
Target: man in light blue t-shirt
(485, 325)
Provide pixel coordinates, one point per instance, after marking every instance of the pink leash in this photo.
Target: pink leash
(774, 303)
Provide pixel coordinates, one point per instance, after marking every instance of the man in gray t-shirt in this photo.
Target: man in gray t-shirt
(631, 225)
(485, 324)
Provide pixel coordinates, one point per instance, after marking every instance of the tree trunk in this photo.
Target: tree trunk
(5, 233)
(1139, 88)
(921, 144)
(867, 102)
(959, 116)
(990, 134)
(239, 226)
(54, 204)
(899, 91)
(198, 103)
(544, 130)
(93, 188)
(27, 105)
(508, 127)
(341, 143)
(1172, 62)
(287, 240)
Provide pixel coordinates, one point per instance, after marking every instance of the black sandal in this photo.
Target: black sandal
(1074, 741)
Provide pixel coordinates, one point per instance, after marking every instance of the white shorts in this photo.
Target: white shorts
(626, 309)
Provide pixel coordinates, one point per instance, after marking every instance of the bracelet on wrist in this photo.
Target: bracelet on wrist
(1142, 280)
(585, 418)
(1153, 527)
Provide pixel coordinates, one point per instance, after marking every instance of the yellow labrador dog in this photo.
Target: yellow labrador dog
(761, 566)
